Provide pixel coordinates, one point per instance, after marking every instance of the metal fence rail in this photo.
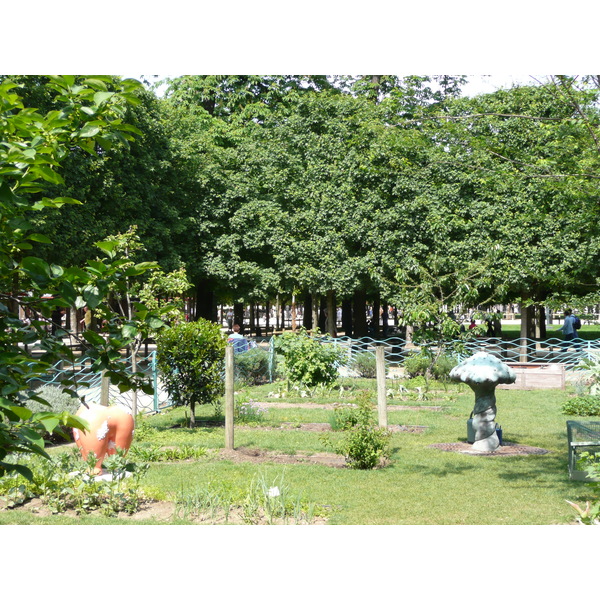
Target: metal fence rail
(259, 364)
(89, 383)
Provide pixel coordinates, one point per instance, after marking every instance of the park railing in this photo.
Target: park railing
(360, 352)
(89, 383)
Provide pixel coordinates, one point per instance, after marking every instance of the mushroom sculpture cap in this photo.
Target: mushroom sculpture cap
(483, 368)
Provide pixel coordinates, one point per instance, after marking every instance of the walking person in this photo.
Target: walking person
(569, 330)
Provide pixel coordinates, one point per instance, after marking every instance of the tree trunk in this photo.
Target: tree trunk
(322, 314)
(206, 303)
(360, 314)
(375, 319)
(294, 325)
(331, 314)
(238, 315)
(527, 322)
(347, 317)
(541, 322)
(267, 317)
(307, 317)
(316, 313)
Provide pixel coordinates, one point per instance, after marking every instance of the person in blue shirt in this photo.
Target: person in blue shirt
(568, 329)
(238, 341)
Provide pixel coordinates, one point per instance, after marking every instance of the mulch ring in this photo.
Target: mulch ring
(507, 449)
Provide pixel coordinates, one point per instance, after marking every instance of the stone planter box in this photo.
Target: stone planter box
(532, 376)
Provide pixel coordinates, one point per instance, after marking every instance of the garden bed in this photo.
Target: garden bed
(507, 449)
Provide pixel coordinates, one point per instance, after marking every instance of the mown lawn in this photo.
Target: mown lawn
(422, 485)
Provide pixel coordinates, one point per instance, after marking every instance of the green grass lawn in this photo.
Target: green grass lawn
(422, 485)
(587, 332)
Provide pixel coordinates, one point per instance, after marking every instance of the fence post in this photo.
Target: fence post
(381, 391)
(104, 389)
(229, 401)
(155, 381)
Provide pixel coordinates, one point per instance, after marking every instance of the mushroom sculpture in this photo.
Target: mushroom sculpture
(482, 372)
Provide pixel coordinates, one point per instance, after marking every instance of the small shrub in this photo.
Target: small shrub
(442, 366)
(416, 364)
(191, 357)
(365, 365)
(344, 417)
(583, 406)
(308, 360)
(58, 400)
(364, 445)
(252, 367)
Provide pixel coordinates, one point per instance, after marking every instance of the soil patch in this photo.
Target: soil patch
(153, 510)
(320, 427)
(332, 406)
(255, 455)
(507, 449)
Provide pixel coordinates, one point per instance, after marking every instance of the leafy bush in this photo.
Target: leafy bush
(583, 406)
(416, 364)
(590, 463)
(344, 417)
(364, 445)
(191, 357)
(443, 365)
(155, 453)
(309, 361)
(427, 364)
(58, 402)
(365, 365)
(252, 367)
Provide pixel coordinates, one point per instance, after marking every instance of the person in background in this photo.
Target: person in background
(87, 318)
(568, 329)
(57, 317)
(237, 340)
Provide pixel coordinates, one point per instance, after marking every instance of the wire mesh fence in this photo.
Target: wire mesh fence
(260, 363)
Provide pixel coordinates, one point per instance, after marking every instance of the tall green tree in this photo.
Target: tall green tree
(33, 143)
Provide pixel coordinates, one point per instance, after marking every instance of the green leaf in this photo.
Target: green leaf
(129, 331)
(39, 237)
(93, 338)
(37, 269)
(89, 130)
(107, 247)
(92, 296)
(21, 469)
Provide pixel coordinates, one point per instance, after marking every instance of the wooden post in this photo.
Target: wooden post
(381, 391)
(104, 389)
(229, 400)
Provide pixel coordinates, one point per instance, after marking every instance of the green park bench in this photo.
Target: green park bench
(582, 437)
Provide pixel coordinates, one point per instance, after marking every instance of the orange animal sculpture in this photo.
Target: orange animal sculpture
(111, 427)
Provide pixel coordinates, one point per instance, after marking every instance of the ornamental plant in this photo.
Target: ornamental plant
(309, 360)
(191, 359)
(363, 444)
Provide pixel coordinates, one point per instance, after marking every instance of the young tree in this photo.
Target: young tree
(191, 357)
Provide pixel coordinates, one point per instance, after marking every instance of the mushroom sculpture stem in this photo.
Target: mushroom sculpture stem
(482, 372)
